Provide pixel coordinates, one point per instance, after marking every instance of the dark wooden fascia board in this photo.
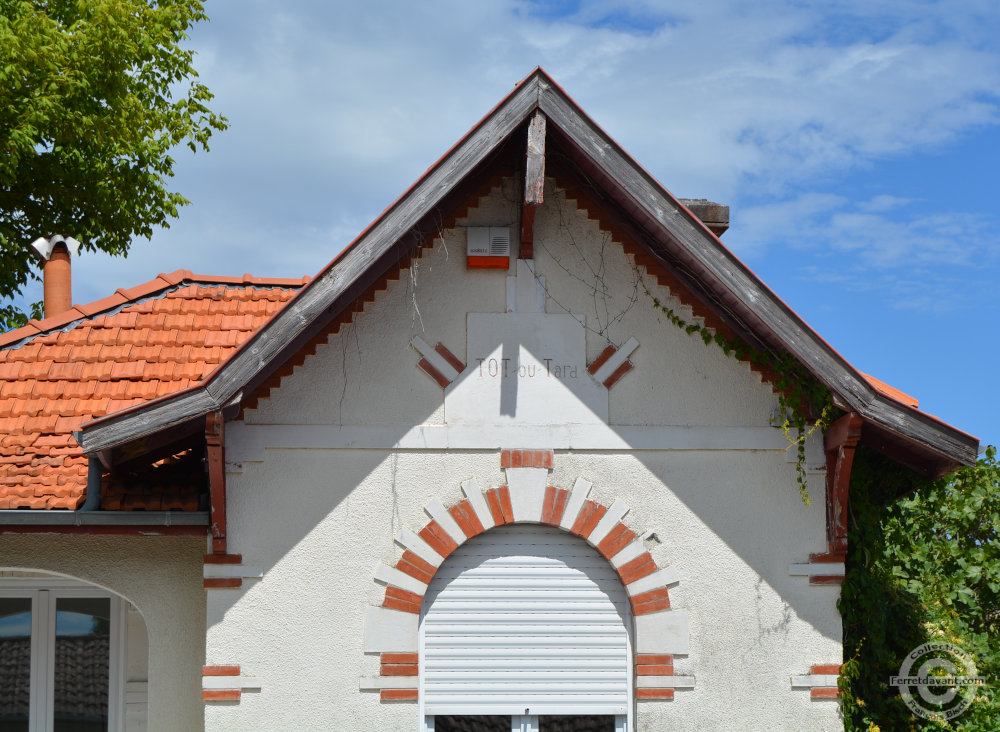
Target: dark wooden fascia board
(757, 305)
(322, 292)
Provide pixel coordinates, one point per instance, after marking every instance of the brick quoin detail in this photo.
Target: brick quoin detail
(825, 692)
(400, 664)
(233, 694)
(831, 669)
(527, 459)
(416, 567)
(398, 599)
(654, 665)
(223, 583)
(399, 694)
(661, 694)
(466, 519)
(221, 694)
(438, 539)
(498, 500)
(819, 687)
(601, 359)
(616, 540)
(493, 506)
(223, 559)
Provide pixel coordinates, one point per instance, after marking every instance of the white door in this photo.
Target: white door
(526, 621)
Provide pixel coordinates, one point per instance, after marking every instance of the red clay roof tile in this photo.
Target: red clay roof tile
(52, 381)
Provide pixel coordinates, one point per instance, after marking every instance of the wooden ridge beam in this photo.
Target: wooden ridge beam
(534, 182)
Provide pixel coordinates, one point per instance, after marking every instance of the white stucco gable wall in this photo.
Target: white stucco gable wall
(357, 442)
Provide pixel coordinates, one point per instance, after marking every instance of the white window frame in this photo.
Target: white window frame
(43, 594)
(529, 723)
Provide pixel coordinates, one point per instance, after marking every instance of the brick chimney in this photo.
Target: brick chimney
(714, 215)
(57, 279)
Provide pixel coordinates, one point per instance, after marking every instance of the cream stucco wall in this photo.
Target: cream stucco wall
(161, 577)
(326, 471)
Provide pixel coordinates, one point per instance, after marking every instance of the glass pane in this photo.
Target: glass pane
(83, 635)
(484, 723)
(583, 723)
(15, 663)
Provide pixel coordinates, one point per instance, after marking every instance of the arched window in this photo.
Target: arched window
(525, 627)
(67, 649)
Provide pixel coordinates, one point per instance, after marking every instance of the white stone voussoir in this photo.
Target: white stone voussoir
(814, 681)
(664, 682)
(527, 493)
(436, 510)
(478, 502)
(408, 540)
(613, 515)
(377, 683)
(390, 631)
(629, 552)
(662, 632)
(392, 576)
(574, 503)
(656, 580)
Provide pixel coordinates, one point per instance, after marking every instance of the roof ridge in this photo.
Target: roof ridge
(123, 296)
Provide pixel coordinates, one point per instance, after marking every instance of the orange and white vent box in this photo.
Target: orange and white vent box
(488, 247)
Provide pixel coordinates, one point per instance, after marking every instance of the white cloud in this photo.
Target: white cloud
(883, 202)
(334, 115)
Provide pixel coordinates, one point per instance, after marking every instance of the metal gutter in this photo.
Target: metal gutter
(20, 517)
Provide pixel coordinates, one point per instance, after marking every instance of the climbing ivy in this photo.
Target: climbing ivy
(801, 398)
(924, 567)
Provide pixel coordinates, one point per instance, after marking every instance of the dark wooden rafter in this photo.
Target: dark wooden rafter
(215, 449)
(534, 182)
(840, 442)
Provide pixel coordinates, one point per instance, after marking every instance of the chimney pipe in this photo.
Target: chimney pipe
(57, 279)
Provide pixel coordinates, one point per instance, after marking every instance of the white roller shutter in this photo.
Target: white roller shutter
(525, 620)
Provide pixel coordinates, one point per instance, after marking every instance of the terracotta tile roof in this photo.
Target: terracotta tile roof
(892, 392)
(137, 344)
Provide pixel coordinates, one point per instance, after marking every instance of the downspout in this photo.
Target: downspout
(95, 475)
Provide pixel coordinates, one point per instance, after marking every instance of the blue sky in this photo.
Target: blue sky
(858, 147)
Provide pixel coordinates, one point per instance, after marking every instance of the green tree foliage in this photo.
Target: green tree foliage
(94, 95)
(925, 567)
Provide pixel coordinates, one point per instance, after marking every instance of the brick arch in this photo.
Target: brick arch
(392, 629)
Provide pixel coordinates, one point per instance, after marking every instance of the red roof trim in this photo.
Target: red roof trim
(892, 392)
